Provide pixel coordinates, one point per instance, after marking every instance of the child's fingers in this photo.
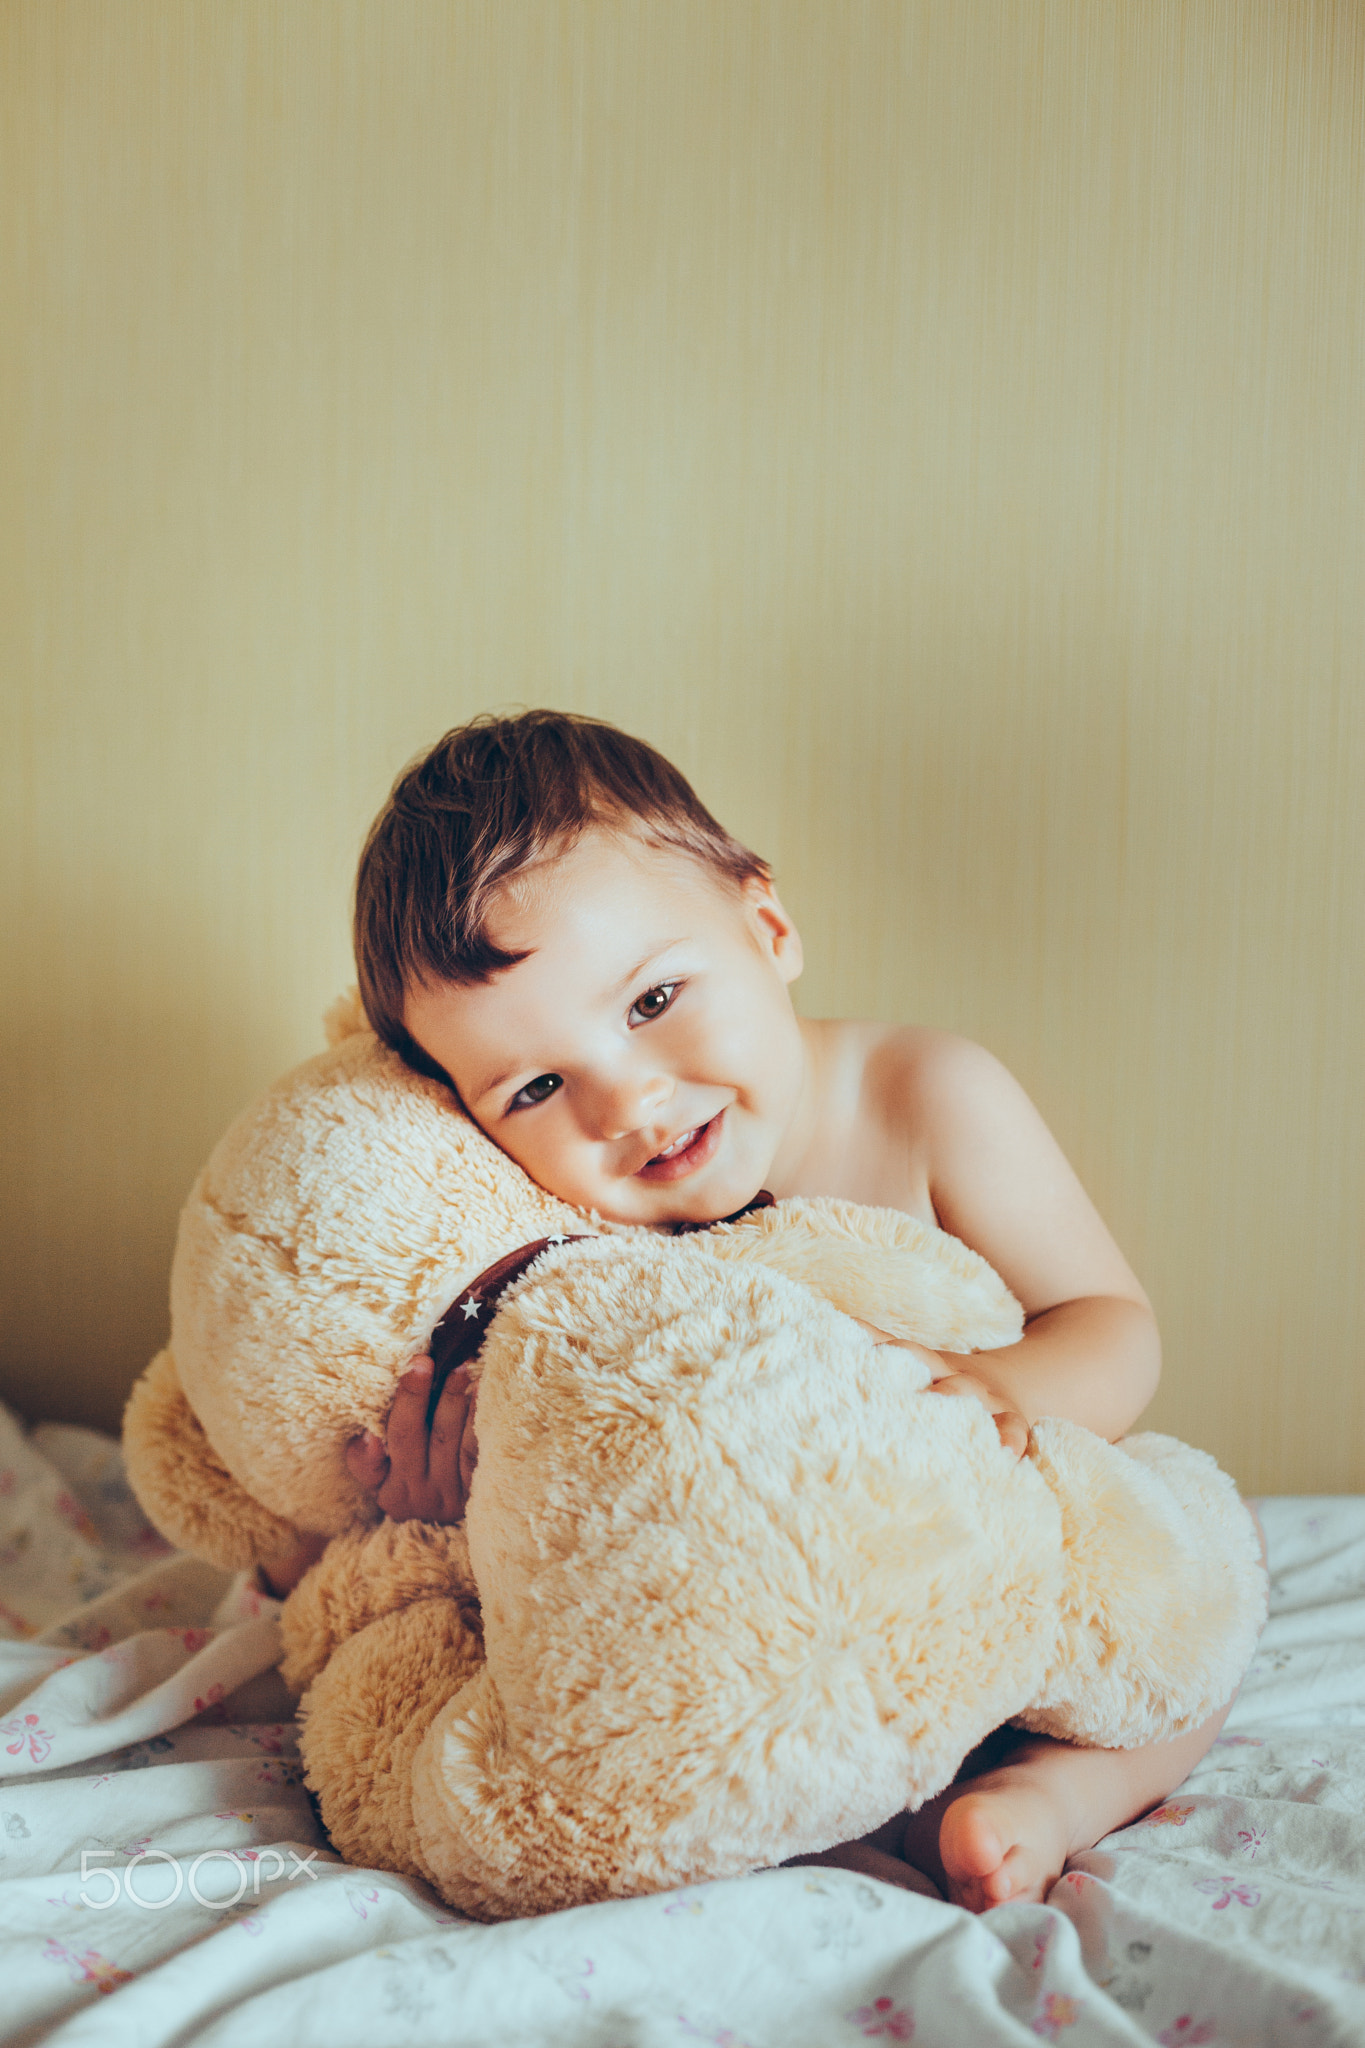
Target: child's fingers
(1011, 1427)
(453, 1434)
(407, 1425)
(1013, 1430)
(958, 1384)
(367, 1462)
(937, 1364)
(469, 1453)
(449, 1424)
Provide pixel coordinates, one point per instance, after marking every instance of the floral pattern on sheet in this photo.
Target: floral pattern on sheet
(1056, 2014)
(70, 1528)
(1173, 1814)
(1129, 1980)
(1133, 1944)
(883, 2019)
(23, 1735)
(1228, 1891)
(87, 1967)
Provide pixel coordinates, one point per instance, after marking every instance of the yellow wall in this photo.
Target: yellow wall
(937, 425)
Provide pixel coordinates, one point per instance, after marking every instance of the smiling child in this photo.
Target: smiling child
(548, 918)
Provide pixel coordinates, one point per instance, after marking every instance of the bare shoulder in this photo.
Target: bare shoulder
(994, 1173)
(888, 1095)
(961, 1106)
(922, 1078)
(904, 1076)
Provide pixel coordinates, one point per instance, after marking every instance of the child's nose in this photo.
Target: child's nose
(630, 1101)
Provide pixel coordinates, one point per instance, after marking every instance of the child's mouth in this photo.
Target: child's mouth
(688, 1151)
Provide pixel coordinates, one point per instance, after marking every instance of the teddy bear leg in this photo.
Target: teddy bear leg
(365, 1574)
(365, 1717)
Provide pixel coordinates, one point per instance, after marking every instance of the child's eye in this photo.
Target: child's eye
(652, 1003)
(539, 1090)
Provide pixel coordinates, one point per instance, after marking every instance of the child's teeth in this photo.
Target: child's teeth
(679, 1144)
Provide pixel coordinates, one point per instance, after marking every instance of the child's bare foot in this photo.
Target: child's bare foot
(1006, 1835)
(1003, 1833)
(1021, 1805)
(1024, 1803)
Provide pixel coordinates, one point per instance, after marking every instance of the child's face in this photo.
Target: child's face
(644, 1060)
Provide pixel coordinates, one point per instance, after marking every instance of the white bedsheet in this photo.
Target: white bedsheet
(134, 1732)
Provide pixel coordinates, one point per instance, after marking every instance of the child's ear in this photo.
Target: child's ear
(779, 935)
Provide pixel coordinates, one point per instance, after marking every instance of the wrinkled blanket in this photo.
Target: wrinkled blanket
(162, 1879)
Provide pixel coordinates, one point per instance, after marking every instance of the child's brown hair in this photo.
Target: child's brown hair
(489, 799)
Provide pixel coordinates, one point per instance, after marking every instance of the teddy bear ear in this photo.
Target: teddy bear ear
(345, 1017)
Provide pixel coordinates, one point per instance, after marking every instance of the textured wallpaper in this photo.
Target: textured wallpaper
(939, 425)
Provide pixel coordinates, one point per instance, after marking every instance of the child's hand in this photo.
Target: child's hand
(421, 1475)
(1011, 1426)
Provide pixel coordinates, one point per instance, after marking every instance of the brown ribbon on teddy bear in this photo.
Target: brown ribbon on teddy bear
(459, 1334)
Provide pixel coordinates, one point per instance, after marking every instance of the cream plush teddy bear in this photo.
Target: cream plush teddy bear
(732, 1586)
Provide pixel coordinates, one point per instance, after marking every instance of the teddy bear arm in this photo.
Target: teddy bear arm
(887, 1269)
(367, 1574)
(183, 1486)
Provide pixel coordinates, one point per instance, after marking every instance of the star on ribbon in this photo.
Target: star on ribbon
(473, 1308)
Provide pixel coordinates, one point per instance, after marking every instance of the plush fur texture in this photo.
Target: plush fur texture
(334, 1222)
(370, 1573)
(183, 1483)
(732, 1585)
(368, 1716)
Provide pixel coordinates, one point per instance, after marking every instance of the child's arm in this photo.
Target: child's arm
(999, 1181)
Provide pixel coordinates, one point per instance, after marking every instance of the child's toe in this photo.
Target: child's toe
(969, 1840)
